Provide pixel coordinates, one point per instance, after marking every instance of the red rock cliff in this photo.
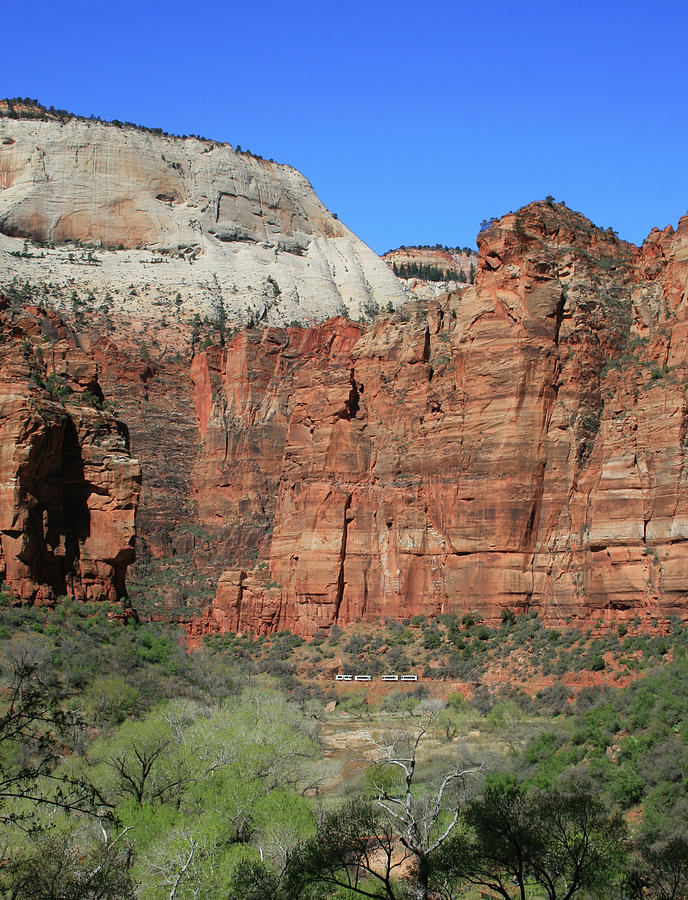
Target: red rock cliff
(520, 445)
(69, 486)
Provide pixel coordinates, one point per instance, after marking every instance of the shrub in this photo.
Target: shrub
(554, 698)
(597, 663)
(432, 638)
(508, 617)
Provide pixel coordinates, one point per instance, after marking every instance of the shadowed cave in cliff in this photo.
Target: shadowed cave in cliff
(59, 518)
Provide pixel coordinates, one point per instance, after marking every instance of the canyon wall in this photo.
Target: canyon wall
(69, 485)
(519, 445)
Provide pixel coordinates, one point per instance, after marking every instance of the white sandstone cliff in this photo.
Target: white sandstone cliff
(176, 224)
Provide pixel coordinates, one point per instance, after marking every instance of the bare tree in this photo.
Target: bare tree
(176, 866)
(33, 730)
(422, 820)
(364, 846)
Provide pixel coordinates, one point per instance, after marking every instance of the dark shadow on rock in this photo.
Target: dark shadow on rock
(59, 518)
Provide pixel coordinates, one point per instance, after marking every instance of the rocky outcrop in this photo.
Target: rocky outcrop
(69, 486)
(519, 445)
(175, 226)
(431, 271)
(418, 261)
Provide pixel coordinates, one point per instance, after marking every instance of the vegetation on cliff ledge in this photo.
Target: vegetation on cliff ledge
(29, 108)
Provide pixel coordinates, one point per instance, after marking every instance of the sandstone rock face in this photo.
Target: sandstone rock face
(519, 445)
(69, 486)
(189, 226)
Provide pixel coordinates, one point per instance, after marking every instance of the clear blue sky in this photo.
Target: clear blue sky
(413, 121)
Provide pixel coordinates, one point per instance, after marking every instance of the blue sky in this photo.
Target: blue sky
(412, 121)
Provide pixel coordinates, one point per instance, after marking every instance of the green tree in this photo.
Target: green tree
(353, 848)
(661, 869)
(109, 699)
(205, 789)
(74, 861)
(140, 761)
(566, 842)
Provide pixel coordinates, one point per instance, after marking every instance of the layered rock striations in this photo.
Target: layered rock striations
(69, 485)
(176, 226)
(520, 445)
